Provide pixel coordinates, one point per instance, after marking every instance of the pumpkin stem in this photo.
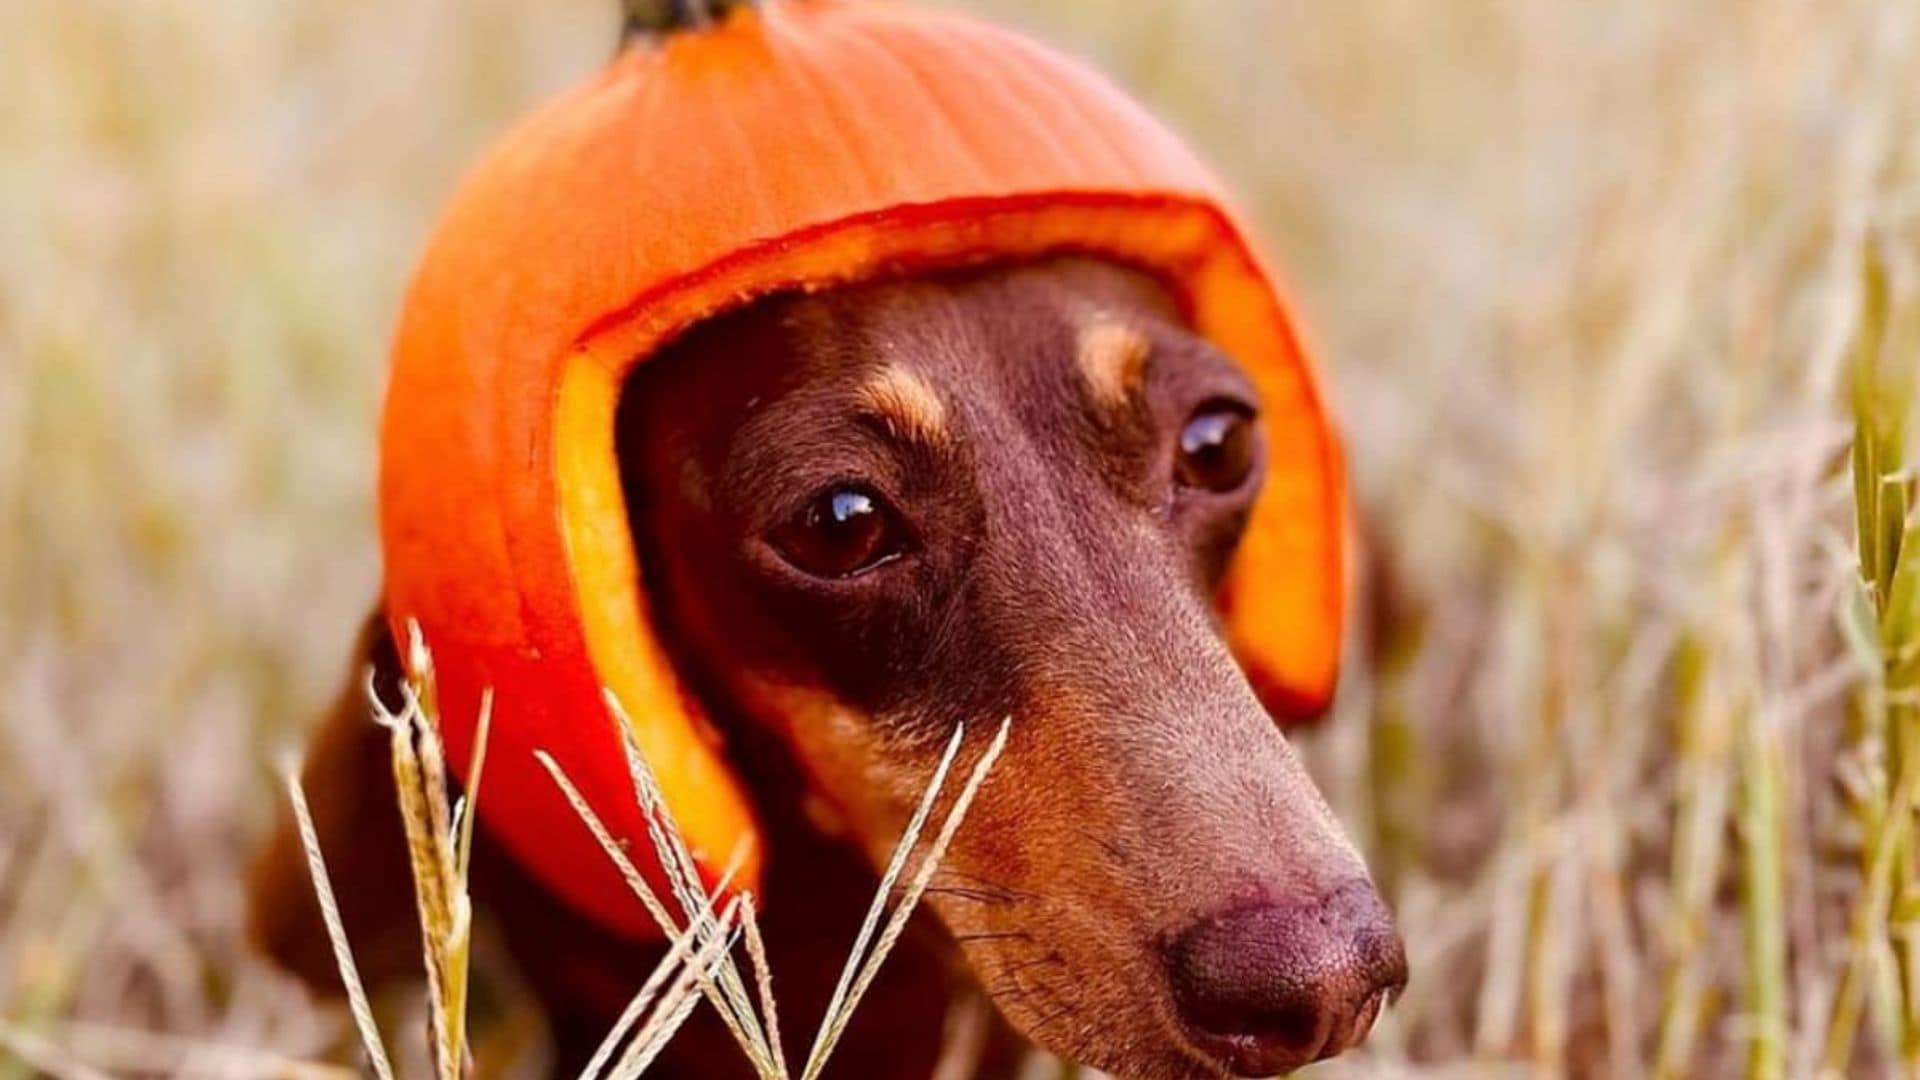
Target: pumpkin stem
(653, 18)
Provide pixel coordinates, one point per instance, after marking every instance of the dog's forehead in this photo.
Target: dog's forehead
(918, 348)
(931, 359)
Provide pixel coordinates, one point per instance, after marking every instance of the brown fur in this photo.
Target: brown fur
(1148, 855)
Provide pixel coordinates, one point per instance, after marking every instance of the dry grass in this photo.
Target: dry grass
(1629, 748)
(439, 838)
(700, 960)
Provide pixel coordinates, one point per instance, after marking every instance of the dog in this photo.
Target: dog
(1006, 491)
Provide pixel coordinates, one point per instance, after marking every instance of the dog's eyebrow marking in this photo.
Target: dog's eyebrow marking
(906, 403)
(1113, 359)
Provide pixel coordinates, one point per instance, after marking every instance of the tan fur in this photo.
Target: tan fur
(907, 403)
(1113, 358)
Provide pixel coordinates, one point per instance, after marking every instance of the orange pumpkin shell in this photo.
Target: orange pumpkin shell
(802, 145)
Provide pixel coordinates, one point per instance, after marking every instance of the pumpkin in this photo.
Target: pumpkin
(792, 145)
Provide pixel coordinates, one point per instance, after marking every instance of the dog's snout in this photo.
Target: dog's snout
(1272, 987)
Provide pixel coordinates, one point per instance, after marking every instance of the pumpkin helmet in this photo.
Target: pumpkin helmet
(793, 145)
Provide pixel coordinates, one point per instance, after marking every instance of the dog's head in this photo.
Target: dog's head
(870, 514)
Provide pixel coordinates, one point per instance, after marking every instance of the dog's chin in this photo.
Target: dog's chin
(1118, 1017)
(1102, 1014)
(1133, 1044)
(1150, 1050)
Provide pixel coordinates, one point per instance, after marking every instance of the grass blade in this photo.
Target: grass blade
(836, 1021)
(357, 1002)
(908, 837)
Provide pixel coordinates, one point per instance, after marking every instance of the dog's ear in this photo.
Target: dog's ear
(348, 775)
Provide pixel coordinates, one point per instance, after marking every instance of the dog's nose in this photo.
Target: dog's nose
(1268, 988)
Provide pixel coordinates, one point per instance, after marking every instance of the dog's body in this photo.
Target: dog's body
(866, 515)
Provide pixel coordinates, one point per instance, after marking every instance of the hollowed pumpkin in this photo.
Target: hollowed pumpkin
(800, 144)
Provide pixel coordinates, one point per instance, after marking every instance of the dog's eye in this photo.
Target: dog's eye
(842, 532)
(1216, 448)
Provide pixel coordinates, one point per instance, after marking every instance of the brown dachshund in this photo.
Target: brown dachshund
(896, 507)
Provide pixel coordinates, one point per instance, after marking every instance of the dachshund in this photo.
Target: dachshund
(870, 513)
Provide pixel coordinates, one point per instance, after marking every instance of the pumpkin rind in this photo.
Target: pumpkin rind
(809, 144)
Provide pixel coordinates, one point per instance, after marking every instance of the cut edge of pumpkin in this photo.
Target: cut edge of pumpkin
(1289, 644)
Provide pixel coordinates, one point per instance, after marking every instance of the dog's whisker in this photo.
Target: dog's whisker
(972, 895)
(1058, 1012)
(981, 887)
(994, 935)
(984, 882)
(1011, 990)
(1107, 844)
(1033, 961)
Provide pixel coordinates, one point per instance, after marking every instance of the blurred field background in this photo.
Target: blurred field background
(1626, 738)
